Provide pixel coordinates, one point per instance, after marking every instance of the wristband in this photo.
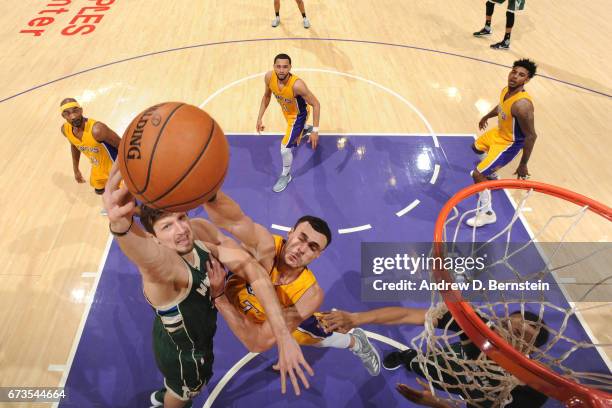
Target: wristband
(120, 234)
(315, 129)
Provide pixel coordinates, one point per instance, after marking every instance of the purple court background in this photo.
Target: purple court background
(365, 180)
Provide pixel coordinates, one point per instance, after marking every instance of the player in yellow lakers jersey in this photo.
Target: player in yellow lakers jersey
(295, 100)
(515, 132)
(296, 286)
(92, 138)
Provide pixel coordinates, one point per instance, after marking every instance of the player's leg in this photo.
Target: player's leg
(184, 373)
(97, 179)
(292, 137)
(483, 146)
(500, 153)
(489, 8)
(276, 20)
(300, 4)
(513, 6)
(310, 333)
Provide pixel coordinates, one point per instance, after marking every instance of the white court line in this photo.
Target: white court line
(354, 229)
(329, 71)
(56, 367)
(89, 274)
(386, 340)
(244, 360)
(79, 333)
(410, 207)
(226, 378)
(567, 280)
(280, 227)
(434, 177)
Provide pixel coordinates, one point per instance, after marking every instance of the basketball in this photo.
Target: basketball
(173, 156)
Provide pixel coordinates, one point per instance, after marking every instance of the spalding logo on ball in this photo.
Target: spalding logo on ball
(173, 157)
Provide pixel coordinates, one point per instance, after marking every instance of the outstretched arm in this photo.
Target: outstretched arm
(226, 213)
(154, 261)
(342, 321)
(244, 265)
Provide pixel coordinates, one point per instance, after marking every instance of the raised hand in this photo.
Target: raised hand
(291, 362)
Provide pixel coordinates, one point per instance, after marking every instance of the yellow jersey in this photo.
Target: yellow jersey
(509, 128)
(242, 296)
(292, 105)
(100, 154)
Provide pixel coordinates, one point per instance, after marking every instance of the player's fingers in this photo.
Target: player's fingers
(307, 367)
(276, 367)
(302, 376)
(407, 392)
(294, 382)
(283, 381)
(423, 383)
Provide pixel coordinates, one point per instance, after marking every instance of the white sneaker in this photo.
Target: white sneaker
(306, 22)
(482, 219)
(281, 183)
(276, 21)
(367, 352)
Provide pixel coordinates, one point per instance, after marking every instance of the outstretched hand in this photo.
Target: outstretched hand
(422, 397)
(118, 201)
(290, 362)
(337, 320)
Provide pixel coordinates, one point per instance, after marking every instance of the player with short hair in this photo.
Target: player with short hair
(286, 260)
(295, 100)
(500, 145)
(175, 256)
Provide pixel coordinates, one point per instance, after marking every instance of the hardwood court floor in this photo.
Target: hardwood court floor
(421, 51)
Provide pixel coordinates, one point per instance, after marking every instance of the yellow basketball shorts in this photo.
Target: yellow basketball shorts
(499, 151)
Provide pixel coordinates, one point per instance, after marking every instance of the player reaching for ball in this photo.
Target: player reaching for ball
(174, 263)
(286, 260)
(500, 145)
(294, 98)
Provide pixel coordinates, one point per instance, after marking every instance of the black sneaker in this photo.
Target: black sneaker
(502, 45)
(396, 359)
(483, 32)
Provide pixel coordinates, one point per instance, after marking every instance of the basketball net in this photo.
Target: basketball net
(506, 359)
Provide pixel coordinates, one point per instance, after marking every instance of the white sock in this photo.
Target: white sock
(287, 156)
(336, 340)
(485, 199)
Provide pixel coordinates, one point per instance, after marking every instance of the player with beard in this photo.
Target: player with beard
(94, 139)
(295, 100)
(175, 263)
(500, 145)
